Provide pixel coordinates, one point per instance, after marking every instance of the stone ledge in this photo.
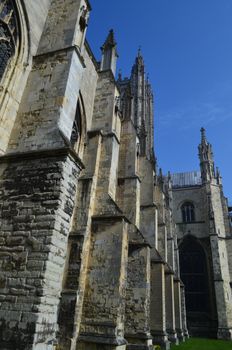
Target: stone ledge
(60, 51)
(112, 217)
(101, 339)
(46, 153)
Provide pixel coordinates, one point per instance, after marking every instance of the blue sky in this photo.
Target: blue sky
(187, 47)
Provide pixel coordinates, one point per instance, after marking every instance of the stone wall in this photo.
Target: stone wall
(79, 241)
(36, 207)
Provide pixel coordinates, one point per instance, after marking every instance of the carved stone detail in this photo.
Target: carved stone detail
(8, 34)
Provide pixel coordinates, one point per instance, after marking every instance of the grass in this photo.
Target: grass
(203, 344)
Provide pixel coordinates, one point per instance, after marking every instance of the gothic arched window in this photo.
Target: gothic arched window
(76, 129)
(194, 274)
(8, 34)
(188, 212)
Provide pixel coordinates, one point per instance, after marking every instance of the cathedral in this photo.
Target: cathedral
(99, 250)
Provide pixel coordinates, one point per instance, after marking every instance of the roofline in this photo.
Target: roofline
(189, 187)
(91, 54)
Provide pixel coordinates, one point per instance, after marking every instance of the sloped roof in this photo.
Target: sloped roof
(188, 179)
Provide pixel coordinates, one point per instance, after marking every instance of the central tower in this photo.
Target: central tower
(137, 92)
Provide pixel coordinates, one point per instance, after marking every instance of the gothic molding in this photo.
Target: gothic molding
(14, 76)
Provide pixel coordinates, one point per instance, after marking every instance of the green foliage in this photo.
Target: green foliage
(157, 347)
(203, 344)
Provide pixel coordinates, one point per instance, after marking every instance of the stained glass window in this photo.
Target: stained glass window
(8, 34)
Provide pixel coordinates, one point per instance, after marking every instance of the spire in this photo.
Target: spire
(218, 176)
(142, 106)
(138, 67)
(138, 86)
(109, 53)
(206, 158)
(139, 61)
(120, 75)
(203, 137)
(161, 179)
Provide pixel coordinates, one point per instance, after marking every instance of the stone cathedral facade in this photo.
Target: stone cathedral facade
(204, 235)
(90, 232)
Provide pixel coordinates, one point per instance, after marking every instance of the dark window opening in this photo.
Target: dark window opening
(76, 129)
(193, 270)
(188, 212)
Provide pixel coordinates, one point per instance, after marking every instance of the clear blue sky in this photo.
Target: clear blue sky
(187, 47)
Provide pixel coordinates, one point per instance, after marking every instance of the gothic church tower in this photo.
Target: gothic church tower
(205, 243)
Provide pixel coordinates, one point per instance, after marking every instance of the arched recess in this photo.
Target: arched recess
(196, 273)
(78, 135)
(15, 62)
(193, 269)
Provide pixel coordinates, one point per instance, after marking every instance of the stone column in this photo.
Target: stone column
(218, 243)
(137, 321)
(222, 288)
(183, 311)
(170, 307)
(178, 314)
(102, 326)
(149, 222)
(158, 313)
(76, 265)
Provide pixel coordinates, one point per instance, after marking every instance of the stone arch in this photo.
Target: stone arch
(18, 29)
(195, 273)
(184, 201)
(15, 67)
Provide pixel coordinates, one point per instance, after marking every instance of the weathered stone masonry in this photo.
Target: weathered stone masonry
(89, 227)
(89, 255)
(204, 236)
(37, 198)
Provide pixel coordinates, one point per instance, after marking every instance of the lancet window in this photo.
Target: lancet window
(76, 129)
(188, 212)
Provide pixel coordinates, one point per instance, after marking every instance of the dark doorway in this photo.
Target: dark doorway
(195, 275)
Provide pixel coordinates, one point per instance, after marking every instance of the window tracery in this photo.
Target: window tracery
(8, 34)
(188, 212)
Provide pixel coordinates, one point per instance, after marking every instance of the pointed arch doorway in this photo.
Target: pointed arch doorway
(195, 271)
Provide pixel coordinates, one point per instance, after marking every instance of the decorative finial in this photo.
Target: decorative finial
(109, 53)
(203, 137)
(120, 75)
(110, 41)
(218, 176)
(139, 51)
